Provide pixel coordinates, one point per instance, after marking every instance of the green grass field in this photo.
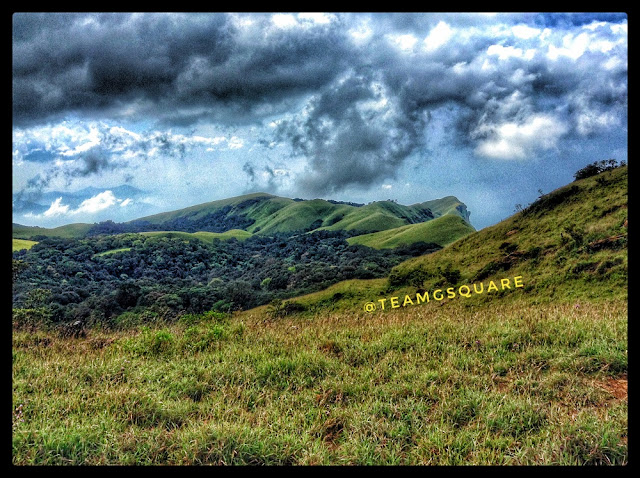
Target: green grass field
(204, 236)
(68, 231)
(277, 214)
(444, 385)
(443, 231)
(19, 244)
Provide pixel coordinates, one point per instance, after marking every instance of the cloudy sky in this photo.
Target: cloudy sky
(358, 107)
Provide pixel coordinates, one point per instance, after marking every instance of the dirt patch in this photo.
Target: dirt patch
(616, 387)
(613, 242)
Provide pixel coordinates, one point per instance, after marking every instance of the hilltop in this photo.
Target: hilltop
(264, 213)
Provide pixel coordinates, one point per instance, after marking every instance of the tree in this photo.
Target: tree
(597, 167)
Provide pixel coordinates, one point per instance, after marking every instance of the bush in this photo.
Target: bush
(596, 167)
(39, 317)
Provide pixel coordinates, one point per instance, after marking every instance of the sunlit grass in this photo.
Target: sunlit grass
(507, 384)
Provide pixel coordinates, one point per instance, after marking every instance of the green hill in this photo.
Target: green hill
(264, 214)
(67, 231)
(272, 214)
(571, 244)
(442, 231)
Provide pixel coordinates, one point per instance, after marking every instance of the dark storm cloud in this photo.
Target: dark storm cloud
(487, 81)
(355, 108)
(346, 139)
(177, 67)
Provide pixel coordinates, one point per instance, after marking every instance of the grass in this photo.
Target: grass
(506, 384)
(112, 251)
(19, 244)
(204, 236)
(277, 214)
(68, 231)
(442, 231)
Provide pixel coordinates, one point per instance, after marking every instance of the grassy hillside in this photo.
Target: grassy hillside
(442, 231)
(264, 214)
(67, 231)
(204, 236)
(199, 210)
(276, 214)
(19, 244)
(571, 244)
(446, 205)
(501, 385)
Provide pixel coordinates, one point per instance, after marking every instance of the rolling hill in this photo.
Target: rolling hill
(265, 214)
(442, 231)
(570, 244)
(68, 231)
(269, 214)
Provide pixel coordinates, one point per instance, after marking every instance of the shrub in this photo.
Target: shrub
(596, 168)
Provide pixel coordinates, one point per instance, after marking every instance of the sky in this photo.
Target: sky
(188, 108)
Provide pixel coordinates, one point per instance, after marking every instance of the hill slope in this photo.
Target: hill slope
(571, 244)
(442, 231)
(67, 231)
(266, 214)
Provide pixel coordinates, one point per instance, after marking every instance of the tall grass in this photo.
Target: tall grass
(510, 383)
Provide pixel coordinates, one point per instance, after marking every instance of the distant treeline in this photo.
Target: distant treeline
(219, 221)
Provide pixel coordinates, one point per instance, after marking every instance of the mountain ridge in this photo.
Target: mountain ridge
(263, 213)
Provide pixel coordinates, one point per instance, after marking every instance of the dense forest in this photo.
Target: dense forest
(116, 279)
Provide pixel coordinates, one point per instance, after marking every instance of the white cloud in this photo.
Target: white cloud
(525, 32)
(404, 42)
(235, 143)
(56, 209)
(438, 36)
(513, 140)
(504, 52)
(284, 20)
(361, 33)
(386, 186)
(572, 46)
(126, 202)
(619, 29)
(96, 203)
(593, 25)
(315, 17)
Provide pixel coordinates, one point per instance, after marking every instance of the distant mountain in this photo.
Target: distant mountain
(262, 213)
(265, 214)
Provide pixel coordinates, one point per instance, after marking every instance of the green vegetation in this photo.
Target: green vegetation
(67, 231)
(112, 251)
(19, 244)
(207, 237)
(568, 245)
(269, 214)
(529, 376)
(506, 384)
(442, 231)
